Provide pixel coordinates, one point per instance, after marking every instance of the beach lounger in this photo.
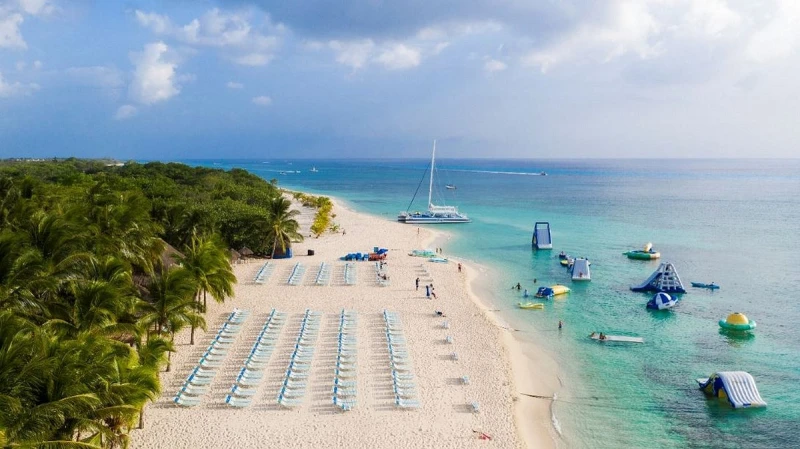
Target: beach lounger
(405, 393)
(465, 380)
(445, 325)
(476, 408)
(186, 401)
(239, 390)
(236, 401)
(454, 356)
(406, 403)
(345, 405)
(448, 339)
(289, 403)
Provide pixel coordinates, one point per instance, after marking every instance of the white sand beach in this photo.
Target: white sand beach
(470, 344)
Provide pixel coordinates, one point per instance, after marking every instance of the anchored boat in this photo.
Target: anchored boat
(434, 214)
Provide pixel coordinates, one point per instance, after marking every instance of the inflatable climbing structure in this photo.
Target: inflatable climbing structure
(664, 279)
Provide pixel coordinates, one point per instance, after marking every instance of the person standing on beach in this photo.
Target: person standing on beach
(417, 282)
(459, 267)
(432, 293)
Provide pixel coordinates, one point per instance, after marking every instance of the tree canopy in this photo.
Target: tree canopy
(89, 300)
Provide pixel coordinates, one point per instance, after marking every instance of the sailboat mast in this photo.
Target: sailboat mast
(430, 187)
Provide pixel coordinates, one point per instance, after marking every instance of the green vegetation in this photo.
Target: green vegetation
(323, 220)
(100, 267)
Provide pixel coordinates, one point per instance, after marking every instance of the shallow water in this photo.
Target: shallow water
(730, 222)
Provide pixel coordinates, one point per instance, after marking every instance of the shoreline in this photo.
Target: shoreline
(526, 358)
(463, 389)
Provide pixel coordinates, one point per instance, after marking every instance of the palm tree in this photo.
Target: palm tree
(172, 303)
(283, 227)
(206, 258)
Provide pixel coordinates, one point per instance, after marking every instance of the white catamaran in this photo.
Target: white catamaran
(434, 214)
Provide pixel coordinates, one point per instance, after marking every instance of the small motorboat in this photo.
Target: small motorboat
(553, 290)
(531, 305)
(563, 256)
(542, 173)
(314, 169)
(737, 322)
(450, 186)
(711, 286)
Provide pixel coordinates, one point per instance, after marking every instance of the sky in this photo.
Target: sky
(183, 79)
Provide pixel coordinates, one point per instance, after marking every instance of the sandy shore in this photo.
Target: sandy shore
(445, 418)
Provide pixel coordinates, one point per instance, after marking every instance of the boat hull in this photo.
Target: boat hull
(425, 219)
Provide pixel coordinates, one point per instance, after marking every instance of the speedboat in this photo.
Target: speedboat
(450, 186)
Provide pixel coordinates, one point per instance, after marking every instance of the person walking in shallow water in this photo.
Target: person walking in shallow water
(417, 282)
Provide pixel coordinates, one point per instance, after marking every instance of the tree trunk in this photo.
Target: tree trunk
(204, 300)
(169, 353)
(191, 339)
(141, 418)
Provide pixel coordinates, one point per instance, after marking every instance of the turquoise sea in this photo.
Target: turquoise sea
(733, 222)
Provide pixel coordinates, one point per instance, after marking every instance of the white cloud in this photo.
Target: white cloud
(16, 89)
(629, 28)
(37, 64)
(493, 65)
(262, 100)
(779, 38)
(234, 85)
(232, 32)
(125, 111)
(712, 17)
(10, 35)
(354, 54)
(399, 56)
(36, 7)
(96, 76)
(154, 76)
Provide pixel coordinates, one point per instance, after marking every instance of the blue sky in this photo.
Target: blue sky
(369, 78)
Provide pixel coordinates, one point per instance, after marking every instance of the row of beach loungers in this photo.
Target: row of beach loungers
(297, 274)
(323, 275)
(249, 377)
(196, 384)
(403, 385)
(294, 383)
(263, 274)
(350, 273)
(344, 379)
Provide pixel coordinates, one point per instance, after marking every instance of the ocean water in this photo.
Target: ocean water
(732, 222)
